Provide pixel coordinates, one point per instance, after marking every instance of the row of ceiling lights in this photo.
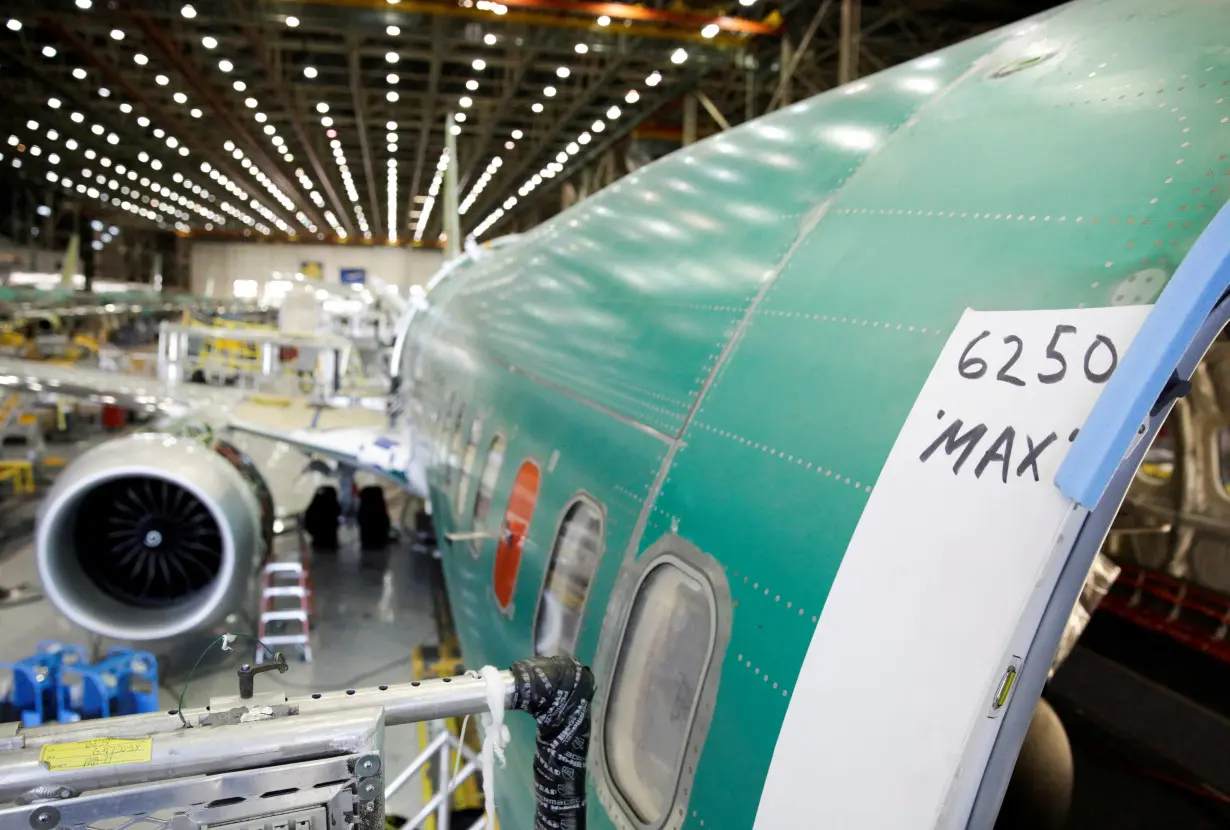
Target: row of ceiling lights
(143, 158)
(390, 184)
(113, 179)
(162, 80)
(189, 12)
(430, 200)
(572, 148)
(239, 85)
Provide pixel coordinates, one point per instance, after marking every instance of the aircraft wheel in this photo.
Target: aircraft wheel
(374, 524)
(1040, 791)
(321, 518)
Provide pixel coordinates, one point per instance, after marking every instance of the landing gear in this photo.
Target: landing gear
(321, 518)
(374, 524)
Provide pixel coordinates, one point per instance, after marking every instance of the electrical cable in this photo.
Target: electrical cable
(461, 742)
(225, 639)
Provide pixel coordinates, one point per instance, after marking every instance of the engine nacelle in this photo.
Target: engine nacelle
(153, 535)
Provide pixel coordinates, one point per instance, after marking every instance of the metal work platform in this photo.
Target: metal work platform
(262, 760)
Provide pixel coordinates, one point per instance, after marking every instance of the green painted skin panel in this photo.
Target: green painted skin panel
(793, 281)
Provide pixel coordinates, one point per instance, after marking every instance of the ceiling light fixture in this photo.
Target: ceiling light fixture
(309, 72)
(195, 112)
(180, 98)
(654, 78)
(140, 59)
(391, 96)
(489, 39)
(517, 134)
(472, 85)
(79, 73)
(549, 92)
(632, 97)
(581, 48)
(292, 22)
(536, 106)
(392, 77)
(393, 31)
(14, 24)
(479, 64)
(187, 11)
(604, 21)
(563, 72)
(239, 86)
(209, 42)
(709, 31)
(679, 56)
(116, 34)
(392, 57)
(225, 65)
(49, 52)
(613, 113)
(322, 107)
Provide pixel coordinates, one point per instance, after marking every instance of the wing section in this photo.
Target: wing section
(374, 449)
(136, 392)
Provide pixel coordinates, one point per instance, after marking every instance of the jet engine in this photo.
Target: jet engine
(152, 535)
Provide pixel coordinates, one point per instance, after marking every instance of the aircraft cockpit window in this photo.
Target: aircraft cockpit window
(467, 465)
(574, 559)
(486, 489)
(662, 689)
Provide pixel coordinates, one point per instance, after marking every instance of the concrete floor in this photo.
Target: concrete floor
(373, 608)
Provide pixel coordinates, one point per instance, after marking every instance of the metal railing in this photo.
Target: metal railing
(312, 761)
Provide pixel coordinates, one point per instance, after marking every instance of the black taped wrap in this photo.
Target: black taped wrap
(557, 692)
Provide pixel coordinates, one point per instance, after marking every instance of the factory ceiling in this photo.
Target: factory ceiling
(327, 119)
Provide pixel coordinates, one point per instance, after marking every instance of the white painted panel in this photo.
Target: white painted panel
(891, 717)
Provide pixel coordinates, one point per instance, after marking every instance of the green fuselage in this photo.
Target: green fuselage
(687, 344)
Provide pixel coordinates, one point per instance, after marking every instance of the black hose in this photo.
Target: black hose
(557, 692)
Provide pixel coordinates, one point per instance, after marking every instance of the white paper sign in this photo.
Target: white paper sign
(897, 685)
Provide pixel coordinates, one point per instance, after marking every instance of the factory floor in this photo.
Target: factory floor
(372, 609)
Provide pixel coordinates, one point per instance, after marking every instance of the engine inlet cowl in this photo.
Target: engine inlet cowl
(151, 535)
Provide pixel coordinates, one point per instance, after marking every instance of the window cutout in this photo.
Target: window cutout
(486, 489)
(574, 559)
(467, 464)
(663, 660)
(516, 525)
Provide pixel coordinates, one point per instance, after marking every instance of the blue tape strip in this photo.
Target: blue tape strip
(1187, 300)
(316, 416)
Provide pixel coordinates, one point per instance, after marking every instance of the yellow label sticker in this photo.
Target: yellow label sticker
(99, 752)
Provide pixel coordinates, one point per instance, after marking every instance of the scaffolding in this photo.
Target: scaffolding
(266, 761)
